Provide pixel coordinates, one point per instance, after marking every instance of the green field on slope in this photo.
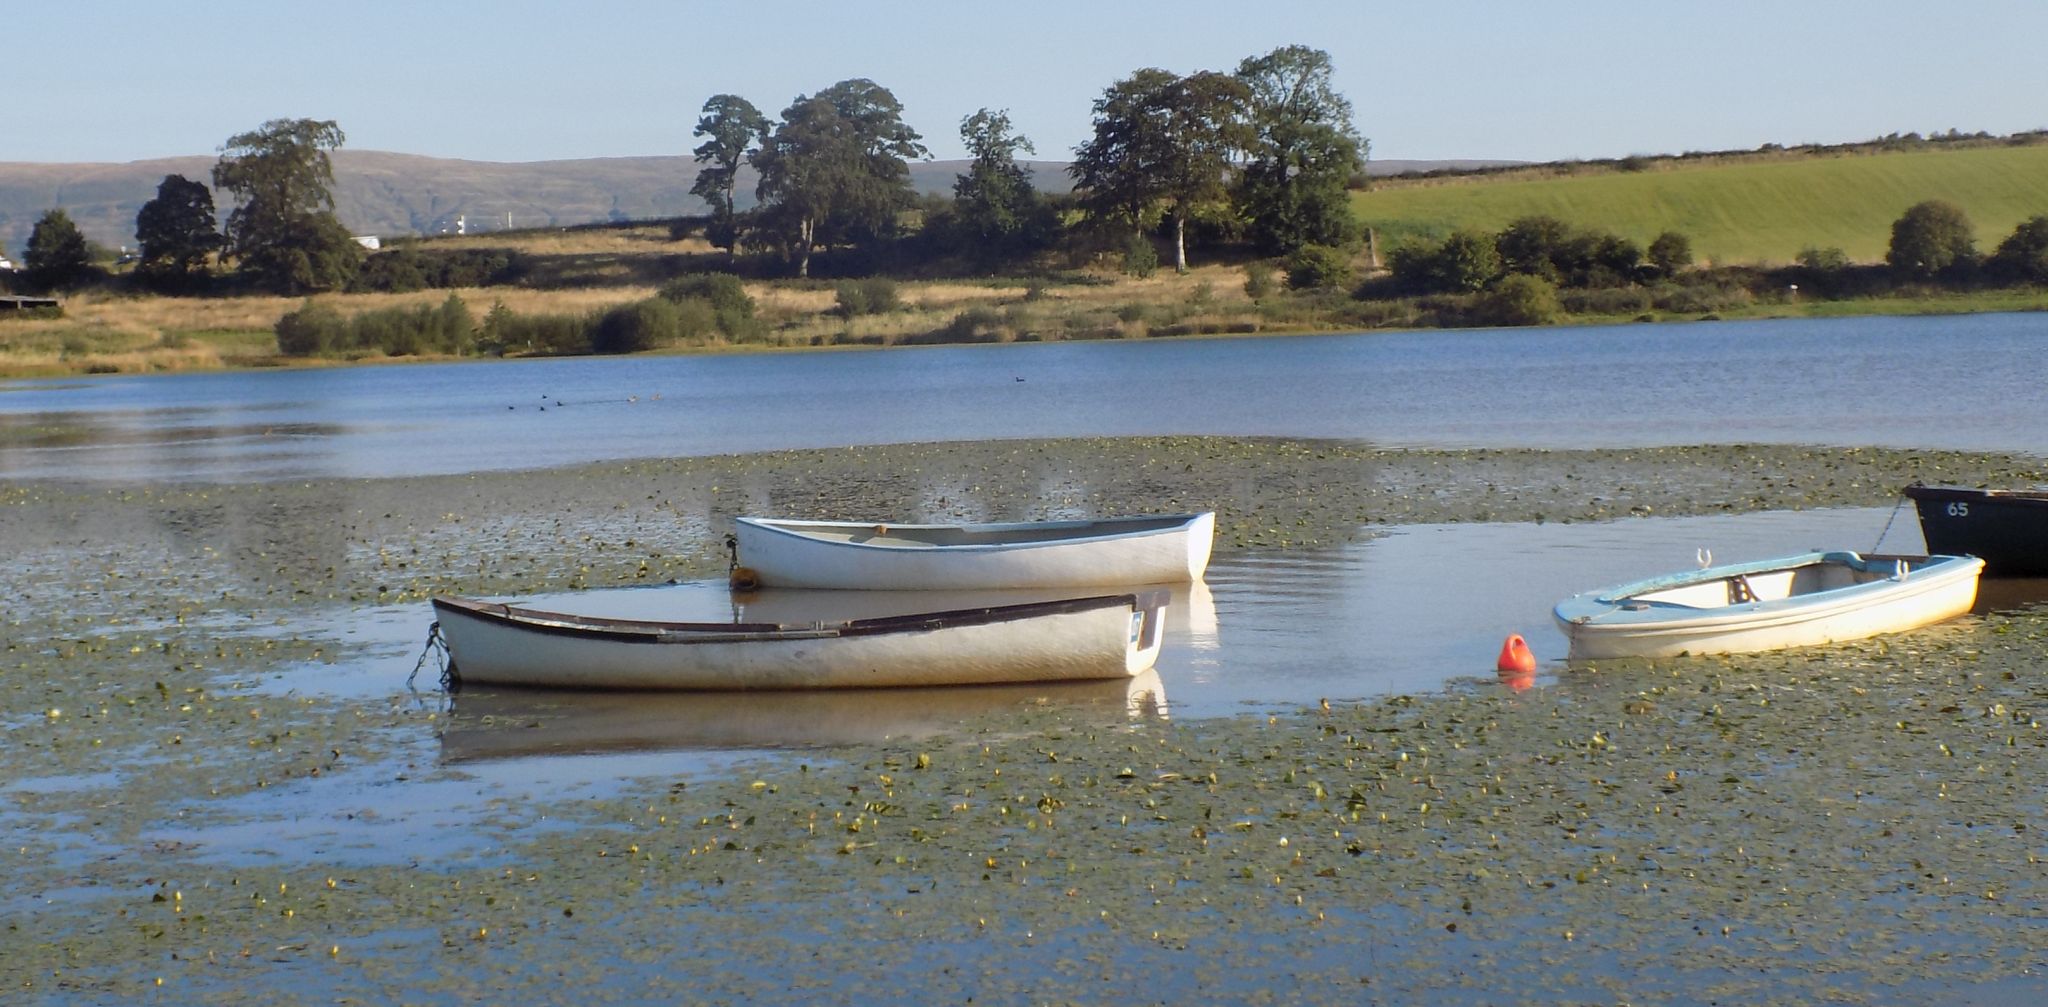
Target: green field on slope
(1761, 211)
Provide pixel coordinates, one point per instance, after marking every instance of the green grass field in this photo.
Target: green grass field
(1761, 211)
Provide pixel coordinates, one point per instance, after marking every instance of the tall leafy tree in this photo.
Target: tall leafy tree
(733, 129)
(994, 203)
(283, 230)
(176, 229)
(1120, 173)
(57, 255)
(1932, 239)
(1161, 139)
(1295, 189)
(835, 168)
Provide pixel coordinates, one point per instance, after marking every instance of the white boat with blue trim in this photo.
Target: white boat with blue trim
(1075, 639)
(872, 556)
(1795, 601)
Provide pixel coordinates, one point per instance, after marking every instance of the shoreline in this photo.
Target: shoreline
(179, 357)
(1853, 821)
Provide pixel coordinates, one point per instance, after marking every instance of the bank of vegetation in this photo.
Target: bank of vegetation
(1205, 203)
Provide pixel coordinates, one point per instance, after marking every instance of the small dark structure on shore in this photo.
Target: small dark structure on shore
(14, 302)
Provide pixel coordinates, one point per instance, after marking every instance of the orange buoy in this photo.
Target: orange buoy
(1517, 666)
(1515, 656)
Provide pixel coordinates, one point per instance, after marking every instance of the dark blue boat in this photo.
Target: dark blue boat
(2007, 529)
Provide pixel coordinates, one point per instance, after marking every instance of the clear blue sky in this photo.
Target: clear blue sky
(521, 80)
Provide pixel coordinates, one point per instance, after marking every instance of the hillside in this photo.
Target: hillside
(1759, 209)
(389, 194)
(392, 194)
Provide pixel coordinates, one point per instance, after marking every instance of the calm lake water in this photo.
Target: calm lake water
(1966, 382)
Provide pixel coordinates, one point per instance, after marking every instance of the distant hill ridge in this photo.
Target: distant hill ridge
(388, 194)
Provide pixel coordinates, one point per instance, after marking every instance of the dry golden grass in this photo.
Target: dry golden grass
(107, 332)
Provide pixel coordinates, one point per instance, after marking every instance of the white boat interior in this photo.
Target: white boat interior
(1771, 585)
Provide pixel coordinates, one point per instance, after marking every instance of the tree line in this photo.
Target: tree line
(1263, 154)
(1266, 152)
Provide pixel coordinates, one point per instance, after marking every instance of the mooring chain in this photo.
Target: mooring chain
(1888, 524)
(436, 644)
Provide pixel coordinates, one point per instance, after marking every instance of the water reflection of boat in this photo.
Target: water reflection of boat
(1798, 601)
(856, 555)
(2007, 529)
(1107, 636)
(497, 722)
(1190, 607)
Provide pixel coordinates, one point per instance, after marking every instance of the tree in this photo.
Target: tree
(835, 169)
(2023, 256)
(1163, 139)
(1118, 173)
(996, 209)
(733, 129)
(284, 232)
(1671, 253)
(176, 229)
(1534, 245)
(1295, 186)
(56, 255)
(1932, 239)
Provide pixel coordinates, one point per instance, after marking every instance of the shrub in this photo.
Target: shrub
(731, 306)
(551, 333)
(1258, 281)
(1823, 260)
(1313, 267)
(871, 296)
(1141, 259)
(1702, 298)
(313, 329)
(1519, 299)
(641, 325)
(978, 324)
(1606, 300)
(403, 269)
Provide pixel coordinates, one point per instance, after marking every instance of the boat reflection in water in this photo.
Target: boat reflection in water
(502, 723)
(1190, 608)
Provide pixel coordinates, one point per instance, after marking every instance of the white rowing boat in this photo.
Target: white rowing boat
(1797, 601)
(1108, 636)
(855, 555)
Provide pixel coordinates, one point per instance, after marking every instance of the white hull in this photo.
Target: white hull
(1087, 638)
(1799, 601)
(851, 555)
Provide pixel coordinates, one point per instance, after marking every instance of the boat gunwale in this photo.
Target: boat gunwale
(658, 632)
(1142, 526)
(1605, 611)
(1919, 492)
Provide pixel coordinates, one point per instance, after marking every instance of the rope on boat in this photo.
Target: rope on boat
(1874, 547)
(437, 648)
